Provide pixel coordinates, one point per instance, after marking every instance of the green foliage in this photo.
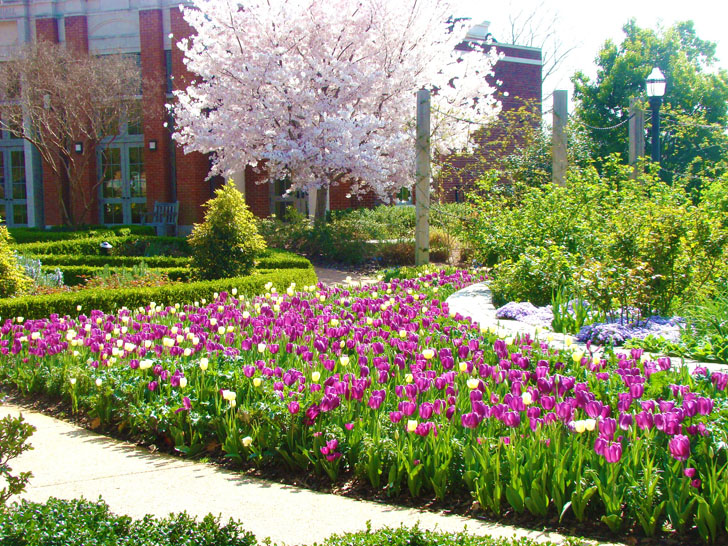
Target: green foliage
(340, 239)
(414, 536)
(14, 433)
(227, 242)
(617, 241)
(533, 276)
(12, 277)
(695, 109)
(384, 233)
(66, 303)
(24, 235)
(131, 245)
(59, 522)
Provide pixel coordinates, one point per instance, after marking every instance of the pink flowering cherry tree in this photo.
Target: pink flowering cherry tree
(323, 91)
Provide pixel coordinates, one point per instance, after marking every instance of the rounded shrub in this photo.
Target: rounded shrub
(227, 242)
(12, 276)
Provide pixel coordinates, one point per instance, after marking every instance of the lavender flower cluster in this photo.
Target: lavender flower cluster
(618, 332)
(527, 312)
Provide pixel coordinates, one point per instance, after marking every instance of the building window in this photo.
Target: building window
(123, 188)
(13, 192)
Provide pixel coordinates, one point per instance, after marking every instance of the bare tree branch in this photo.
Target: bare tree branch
(53, 97)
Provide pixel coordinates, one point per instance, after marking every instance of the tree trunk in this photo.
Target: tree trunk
(319, 212)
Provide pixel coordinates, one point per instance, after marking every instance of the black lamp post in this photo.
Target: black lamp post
(655, 91)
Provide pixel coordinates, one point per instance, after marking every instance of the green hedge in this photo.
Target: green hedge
(74, 274)
(271, 259)
(122, 246)
(281, 259)
(32, 235)
(61, 260)
(59, 522)
(66, 303)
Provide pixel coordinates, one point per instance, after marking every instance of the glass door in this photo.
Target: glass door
(123, 186)
(13, 193)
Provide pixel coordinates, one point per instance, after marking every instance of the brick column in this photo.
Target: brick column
(156, 162)
(192, 168)
(77, 41)
(47, 30)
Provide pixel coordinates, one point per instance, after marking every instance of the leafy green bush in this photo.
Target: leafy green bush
(533, 277)
(14, 433)
(338, 240)
(227, 243)
(631, 243)
(67, 303)
(13, 279)
(131, 245)
(59, 522)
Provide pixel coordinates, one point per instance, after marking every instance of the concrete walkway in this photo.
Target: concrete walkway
(71, 462)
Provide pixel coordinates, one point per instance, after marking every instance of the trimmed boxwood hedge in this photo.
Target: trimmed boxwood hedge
(91, 246)
(66, 303)
(74, 274)
(32, 235)
(60, 260)
(271, 259)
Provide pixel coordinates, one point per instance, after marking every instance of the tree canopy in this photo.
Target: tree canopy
(323, 91)
(695, 105)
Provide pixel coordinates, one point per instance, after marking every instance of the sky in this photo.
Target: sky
(587, 24)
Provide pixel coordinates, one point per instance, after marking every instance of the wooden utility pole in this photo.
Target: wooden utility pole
(558, 145)
(422, 183)
(636, 135)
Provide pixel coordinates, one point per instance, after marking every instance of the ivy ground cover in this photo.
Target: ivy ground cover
(387, 383)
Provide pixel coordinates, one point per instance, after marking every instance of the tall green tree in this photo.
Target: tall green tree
(695, 106)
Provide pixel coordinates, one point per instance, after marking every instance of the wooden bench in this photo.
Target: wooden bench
(164, 215)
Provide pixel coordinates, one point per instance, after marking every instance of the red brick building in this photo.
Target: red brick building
(143, 165)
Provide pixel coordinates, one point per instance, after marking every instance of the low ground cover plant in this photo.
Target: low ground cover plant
(60, 522)
(386, 383)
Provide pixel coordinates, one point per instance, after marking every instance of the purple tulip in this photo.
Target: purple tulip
(470, 420)
(720, 380)
(613, 452)
(679, 447)
(607, 427)
(293, 407)
(395, 416)
(705, 405)
(690, 472)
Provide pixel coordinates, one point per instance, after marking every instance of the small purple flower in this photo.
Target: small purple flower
(152, 386)
(186, 405)
(690, 472)
(293, 407)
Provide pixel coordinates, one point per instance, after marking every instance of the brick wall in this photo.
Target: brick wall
(85, 208)
(156, 162)
(520, 87)
(47, 29)
(192, 169)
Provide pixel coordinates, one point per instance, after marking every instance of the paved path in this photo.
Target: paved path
(476, 302)
(70, 462)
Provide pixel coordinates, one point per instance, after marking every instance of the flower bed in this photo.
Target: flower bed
(386, 382)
